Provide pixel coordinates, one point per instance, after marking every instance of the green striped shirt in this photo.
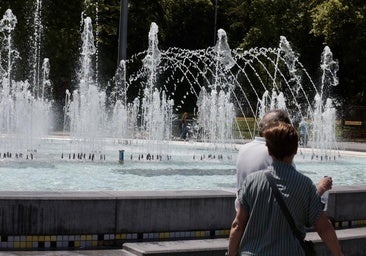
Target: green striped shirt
(267, 231)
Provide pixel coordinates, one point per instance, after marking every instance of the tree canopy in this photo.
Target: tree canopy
(190, 24)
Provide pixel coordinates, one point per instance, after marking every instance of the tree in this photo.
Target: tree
(189, 24)
(61, 21)
(342, 25)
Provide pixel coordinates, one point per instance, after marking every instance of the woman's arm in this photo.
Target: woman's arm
(237, 230)
(326, 232)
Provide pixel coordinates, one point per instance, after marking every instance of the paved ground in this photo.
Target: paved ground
(353, 146)
(119, 252)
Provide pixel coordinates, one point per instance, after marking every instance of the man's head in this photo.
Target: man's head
(276, 115)
(281, 140)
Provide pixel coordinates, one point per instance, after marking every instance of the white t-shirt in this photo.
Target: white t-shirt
(253, 156)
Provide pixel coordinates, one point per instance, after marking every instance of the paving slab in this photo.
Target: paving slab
(113, 252)
(210, 247)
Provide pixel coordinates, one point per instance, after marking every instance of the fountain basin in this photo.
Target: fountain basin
(180, 165)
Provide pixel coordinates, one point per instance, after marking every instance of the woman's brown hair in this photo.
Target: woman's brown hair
(281, 140)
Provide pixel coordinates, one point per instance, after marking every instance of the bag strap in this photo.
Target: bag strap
(284, 208)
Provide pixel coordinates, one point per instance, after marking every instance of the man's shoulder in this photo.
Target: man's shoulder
(257, 142)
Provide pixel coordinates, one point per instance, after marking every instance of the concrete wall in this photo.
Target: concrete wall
(90, 219)
(109, 212)
(347, 203)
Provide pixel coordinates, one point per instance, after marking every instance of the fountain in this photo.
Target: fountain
(25, 108)
(225, 83)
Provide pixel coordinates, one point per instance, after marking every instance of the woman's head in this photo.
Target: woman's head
(281, 140)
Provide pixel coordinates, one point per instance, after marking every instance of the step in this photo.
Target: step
(352, 240)
(201, 247)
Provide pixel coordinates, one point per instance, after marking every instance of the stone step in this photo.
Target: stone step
(352, 240)
(201, 247)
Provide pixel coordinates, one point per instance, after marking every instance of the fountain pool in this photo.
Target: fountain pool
(192, 166)
(227, 85)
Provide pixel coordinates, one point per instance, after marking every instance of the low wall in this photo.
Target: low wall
(84, 220)
(348, 203)
(73, 220)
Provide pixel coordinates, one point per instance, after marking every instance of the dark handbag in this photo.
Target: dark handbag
(307, 246)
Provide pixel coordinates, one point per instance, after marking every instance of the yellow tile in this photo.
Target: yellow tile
(123, 236)
(23, 244)
(163, 235)
(89, 237)
(47, 238)
(17, 245)
(94, 243)
(199, 233)
(53, 238)
(41, 238)
(28, 238)
(28, 244)
(77, 243)
(83, 237)
(35, 238)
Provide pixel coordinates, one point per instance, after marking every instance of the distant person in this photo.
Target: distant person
(260, 227)
(184, 126)
(304, 133)
(253, 156)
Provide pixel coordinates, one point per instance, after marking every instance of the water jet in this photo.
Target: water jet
(227, 84)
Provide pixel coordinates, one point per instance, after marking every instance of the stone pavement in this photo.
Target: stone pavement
(352, 146)
(359, 146)
(114, 252)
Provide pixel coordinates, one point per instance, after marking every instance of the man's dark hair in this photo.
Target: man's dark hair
(272, 116)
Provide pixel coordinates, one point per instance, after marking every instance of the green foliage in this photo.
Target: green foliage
(189, 24)
(342, 24)
(308, 25)
(61, 21)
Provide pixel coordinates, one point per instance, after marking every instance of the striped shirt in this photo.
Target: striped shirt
(267, 231)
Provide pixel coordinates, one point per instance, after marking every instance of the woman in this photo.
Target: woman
(183, 134)
(260, 228)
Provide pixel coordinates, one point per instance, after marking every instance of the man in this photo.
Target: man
(253, 156)
(260, 227)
